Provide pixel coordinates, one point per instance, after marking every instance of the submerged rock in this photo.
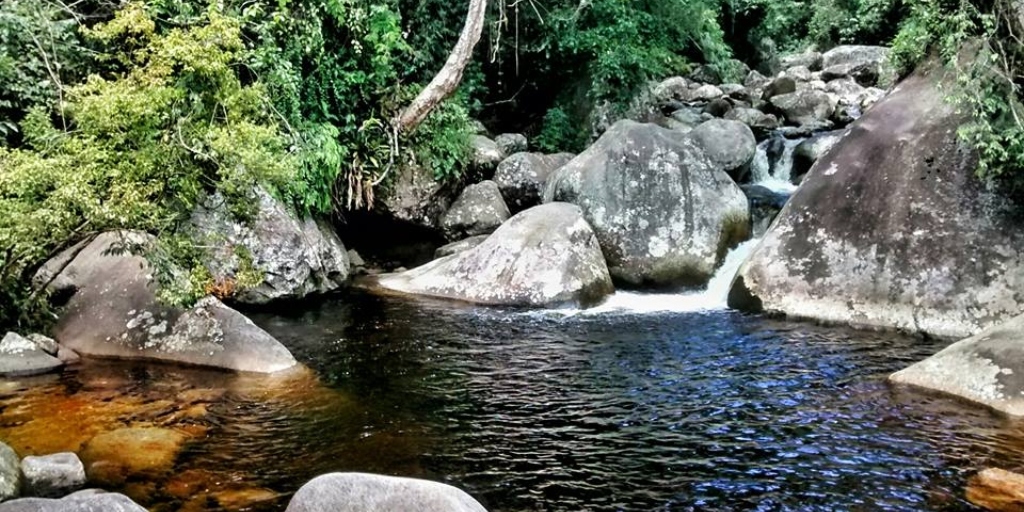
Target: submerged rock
(664, 214)
(10, 473)
(20, 356)
(84, 502)
(997, 490)
(113, 457)
(361, 492)
(987, 368)
(53, 476)
(297, 257)
(115, 313)
(897, 235)
(479, 210)
(545, 255)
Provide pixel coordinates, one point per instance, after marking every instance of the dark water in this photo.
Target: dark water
(670, 411)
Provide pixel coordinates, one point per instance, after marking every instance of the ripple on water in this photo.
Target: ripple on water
(704, 410)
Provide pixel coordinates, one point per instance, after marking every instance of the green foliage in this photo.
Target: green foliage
(979, 45)
(40, 53)
(144, 147)
(560, 133)
(791, 25)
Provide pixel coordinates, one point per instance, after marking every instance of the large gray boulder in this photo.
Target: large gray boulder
(664, 214)
(758, 121)
(892, 228)
(479, 210)
(542, 256)
(866, 64)
(10, 473)
(114, 313)
(522, 177)
(730, 145)
(810, 59)
(52, 476)
(810, 150)
(510, 143)
(485, 154)
(415, 197)
(461, 245)
(85, 502)
(987, 368)
(361, 492)
(805, 106)
(297, 257)
(20, 356)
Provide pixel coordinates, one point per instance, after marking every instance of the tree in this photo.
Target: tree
(448, 79)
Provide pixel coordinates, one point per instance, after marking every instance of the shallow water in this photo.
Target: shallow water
(694, 410)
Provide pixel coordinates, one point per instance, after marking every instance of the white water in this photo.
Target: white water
(776, 179)
(712, 298)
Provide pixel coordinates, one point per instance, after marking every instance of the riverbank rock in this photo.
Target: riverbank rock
(114, 313)
(895, 235)
(510, 143)
(864, 63)
(987, 368)
(479, 210)
(361, 492)
(415, 198)
(10, 473)
(542, 256)
(52, 476)
(298, 257)
(112, 457)
(663, 213)
(810, 59)
(729, 144)
(88, 502)
(522, 177)
(997, 490)
(20, 356)
(805, 106)
(486, 155)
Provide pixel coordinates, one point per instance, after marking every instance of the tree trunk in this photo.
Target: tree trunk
(448, 79)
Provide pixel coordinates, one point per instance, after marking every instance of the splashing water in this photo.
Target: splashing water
(774, 178)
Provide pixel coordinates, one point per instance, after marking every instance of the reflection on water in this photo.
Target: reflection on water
(666, 411)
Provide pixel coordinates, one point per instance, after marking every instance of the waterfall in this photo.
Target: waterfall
(773, 163)
(712, 298)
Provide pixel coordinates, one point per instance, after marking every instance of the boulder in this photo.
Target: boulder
(486, 155)
(706, 92)
(780, 85)
(987, 368)
(522, 177)
(297, 257)
(732, 89)
(355, 260)
(114, 313)
(765, 204)
(997, 490)
(20, 356)
(361, 492)
(864, 63)
(758, 121)
(799, 73)
(91, 502)
(509, 143)
(806, 106)
(730, 145)
(46, 343)
(718, 107)
(754, 80)
(416, 198)
(478, 210)
(461, 245)
(810, 150)
(52, 476)
(664, 214)
(10, 473)
(674, 88)
(545, 255)
(810, 59)
(892, 228)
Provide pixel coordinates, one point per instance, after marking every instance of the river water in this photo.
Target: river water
(635, 406)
